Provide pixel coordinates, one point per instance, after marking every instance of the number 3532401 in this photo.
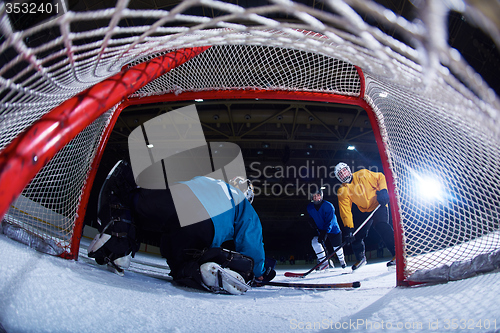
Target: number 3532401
(31, 8)
(453, 324)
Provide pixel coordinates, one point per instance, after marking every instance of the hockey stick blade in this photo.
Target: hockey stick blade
(356, 284)
(328, 273)
(290, 274)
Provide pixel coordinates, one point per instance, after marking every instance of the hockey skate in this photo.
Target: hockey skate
(359, 264)
(392, 263)
(115, 269)
(219, 279)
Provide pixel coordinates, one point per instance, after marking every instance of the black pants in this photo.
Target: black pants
(380, 223)
(335, 240)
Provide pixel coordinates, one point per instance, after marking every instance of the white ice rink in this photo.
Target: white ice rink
(42, 293)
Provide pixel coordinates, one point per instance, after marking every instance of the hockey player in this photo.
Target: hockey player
(365, 189)
(193, 252)
(323, 214)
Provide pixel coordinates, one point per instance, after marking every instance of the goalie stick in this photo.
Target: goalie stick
(291, 274)
(356, 284)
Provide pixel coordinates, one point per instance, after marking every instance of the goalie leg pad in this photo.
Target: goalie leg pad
(116, 193)
(235, 261)
(116, 245)
(220, 279)
(233, 266)
(189, 275)
(98, 241)
(119, 182)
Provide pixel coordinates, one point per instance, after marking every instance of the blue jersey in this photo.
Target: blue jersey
(324, 218)
(233, 217)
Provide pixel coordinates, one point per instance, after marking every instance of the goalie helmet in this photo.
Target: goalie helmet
(314, 195)
(343, 173)
(245, 186)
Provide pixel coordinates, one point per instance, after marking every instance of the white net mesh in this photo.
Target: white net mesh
(434, 144)
(48, 206)
(436, 115)
(258, 67)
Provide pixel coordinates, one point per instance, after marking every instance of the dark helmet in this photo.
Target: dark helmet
(320, 192)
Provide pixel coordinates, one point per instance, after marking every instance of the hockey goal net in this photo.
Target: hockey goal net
(64, 81)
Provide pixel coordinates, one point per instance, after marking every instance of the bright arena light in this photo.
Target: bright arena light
(429, 188)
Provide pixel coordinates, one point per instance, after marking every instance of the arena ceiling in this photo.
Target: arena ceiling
(303, 130)
(296, 132)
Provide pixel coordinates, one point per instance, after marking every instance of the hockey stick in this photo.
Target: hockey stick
(326, 252)
(356, 284)
(291, 274)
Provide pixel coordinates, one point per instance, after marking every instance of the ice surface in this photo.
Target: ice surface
(42, 293)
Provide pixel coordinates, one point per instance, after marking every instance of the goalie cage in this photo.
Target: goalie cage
(429, 110)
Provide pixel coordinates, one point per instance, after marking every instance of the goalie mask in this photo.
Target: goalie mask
(317, 197)
(343, 173)
(245, 186)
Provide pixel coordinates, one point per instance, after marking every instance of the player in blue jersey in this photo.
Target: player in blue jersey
(216, 212)
(325, 222)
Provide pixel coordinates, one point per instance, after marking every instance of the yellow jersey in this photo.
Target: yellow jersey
(361, 191)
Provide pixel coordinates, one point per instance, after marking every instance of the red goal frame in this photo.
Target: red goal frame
(24, 157)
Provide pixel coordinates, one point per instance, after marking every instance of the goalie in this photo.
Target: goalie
(193, 252)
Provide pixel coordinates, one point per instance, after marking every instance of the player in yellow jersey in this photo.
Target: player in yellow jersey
(365, 189)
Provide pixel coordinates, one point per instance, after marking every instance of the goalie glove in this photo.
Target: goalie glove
(383, 197)
(269, 273)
